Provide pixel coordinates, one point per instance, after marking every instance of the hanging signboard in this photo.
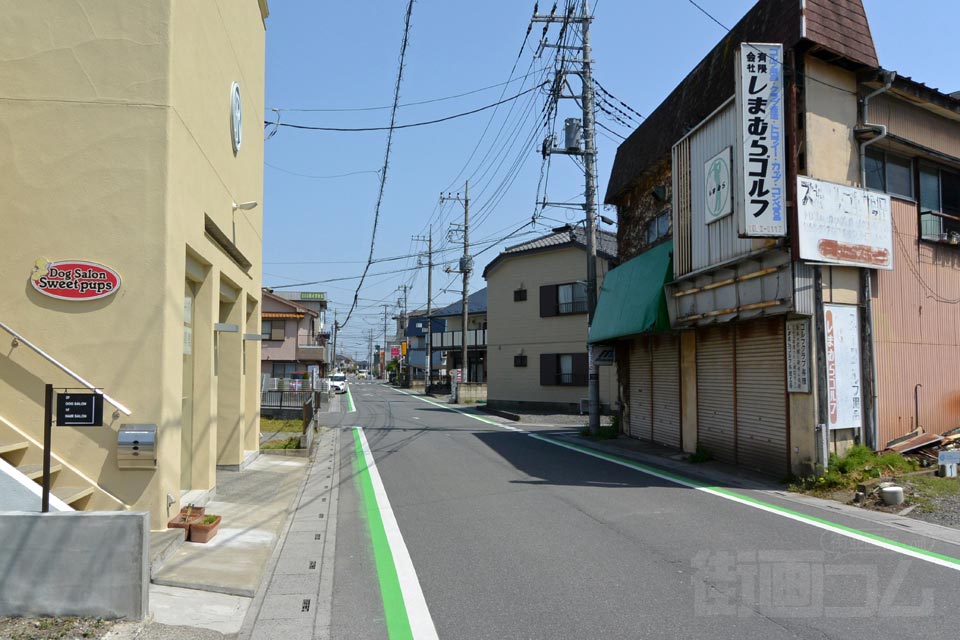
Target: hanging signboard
(761, 139)
(717, 187)
(842, 343)
(79, 409)
(844, 225)
(798, 356)
(75, 280)
(394, 352)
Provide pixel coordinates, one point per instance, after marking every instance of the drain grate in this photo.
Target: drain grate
(306, 605)
(317, 536)
(313, 564)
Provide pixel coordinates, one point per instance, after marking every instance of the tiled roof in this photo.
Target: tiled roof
(576, 237)
(299, 307)
(837, 26)
(476, 303)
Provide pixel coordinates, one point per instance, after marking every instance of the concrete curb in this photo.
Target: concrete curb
(499, 412)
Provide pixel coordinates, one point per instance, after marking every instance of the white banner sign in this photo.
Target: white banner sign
(798, 356)
(761, 138)
(842, 342)
(717, 187)
(844, 225)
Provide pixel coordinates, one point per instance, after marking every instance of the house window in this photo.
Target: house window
(571, 298)
(284, 369)
(658, 228)
(272, 329)
(520, 361)
(519, 295)
(563, 369)
(939, 204)
(889, 173)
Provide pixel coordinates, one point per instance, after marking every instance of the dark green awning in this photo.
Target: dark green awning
(632, 299)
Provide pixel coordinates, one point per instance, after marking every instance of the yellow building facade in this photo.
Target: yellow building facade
(131, 137)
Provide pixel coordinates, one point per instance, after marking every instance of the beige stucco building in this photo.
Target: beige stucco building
(537, 319)
(130, 131)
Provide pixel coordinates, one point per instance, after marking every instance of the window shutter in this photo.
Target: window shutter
(548, 301)
(548, 369)
(277, 330)
(581, 373)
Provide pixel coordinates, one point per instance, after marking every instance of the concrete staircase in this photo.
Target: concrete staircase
(67, 484)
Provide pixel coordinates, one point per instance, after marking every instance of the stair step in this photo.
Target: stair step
(35, 471)
(13, 447)
(72, 494)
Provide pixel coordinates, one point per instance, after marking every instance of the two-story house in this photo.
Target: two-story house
(292, 338)
(805, 291)
(417, 335)
(537, 308)
(449, 341)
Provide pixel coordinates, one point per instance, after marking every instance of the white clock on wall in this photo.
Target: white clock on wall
(236, 117)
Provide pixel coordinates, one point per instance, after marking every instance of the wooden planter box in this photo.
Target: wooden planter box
(200, 532)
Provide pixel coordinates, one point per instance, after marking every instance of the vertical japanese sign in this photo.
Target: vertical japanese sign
(842, 341)
(798, 356)
(761, 138)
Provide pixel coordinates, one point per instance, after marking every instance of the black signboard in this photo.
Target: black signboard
(79, 410)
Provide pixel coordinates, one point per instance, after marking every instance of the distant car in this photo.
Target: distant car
(338, 383)
(362, 374)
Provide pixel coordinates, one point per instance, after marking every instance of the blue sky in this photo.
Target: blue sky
(344, 56)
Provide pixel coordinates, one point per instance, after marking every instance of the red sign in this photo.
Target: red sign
(394, 352)
(74, 280)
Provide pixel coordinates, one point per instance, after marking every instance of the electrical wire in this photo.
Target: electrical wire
(409, 104)
(386, 159)
(393, 126)
(307, 175)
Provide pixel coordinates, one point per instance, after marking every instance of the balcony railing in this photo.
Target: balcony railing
(576, 306)
(453, 339)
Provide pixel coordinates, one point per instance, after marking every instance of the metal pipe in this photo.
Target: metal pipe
(888, 78)
(19, 338)
(916, 404)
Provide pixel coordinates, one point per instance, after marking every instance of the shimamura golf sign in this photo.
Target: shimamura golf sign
(74, 280)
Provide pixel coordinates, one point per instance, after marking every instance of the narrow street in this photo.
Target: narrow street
(513, 536)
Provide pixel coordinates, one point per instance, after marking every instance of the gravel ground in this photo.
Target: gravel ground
(97, 629)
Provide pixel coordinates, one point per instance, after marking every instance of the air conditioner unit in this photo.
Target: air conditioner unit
(584, 405)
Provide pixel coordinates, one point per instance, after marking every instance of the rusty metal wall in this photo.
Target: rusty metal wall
(915, 124)
(917, 326)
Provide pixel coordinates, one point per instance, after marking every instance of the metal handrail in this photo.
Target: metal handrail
(19, 338)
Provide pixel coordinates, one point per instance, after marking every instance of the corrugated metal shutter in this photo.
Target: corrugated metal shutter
(761, 396)
(640, 390)
(666, 390)
(715, 392)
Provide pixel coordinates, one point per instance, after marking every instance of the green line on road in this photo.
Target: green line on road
(893, 545)
(349, 397)
(398, 625)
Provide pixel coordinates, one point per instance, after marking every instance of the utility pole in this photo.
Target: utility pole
(404, 363)
(335, 327)
(429, 346)
(589, 154)
(383, 359)
(466, 266)
(370, 351)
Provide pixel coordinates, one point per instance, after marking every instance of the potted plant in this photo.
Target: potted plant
(187, 517)
(204, 528)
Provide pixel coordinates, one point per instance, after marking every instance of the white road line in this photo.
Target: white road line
(421, 623)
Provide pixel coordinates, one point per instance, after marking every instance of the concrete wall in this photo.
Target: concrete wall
(516, 327)
(471, 392)
(75, 564)
(114, 145)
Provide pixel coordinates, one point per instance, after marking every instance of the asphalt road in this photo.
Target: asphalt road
(514, 537)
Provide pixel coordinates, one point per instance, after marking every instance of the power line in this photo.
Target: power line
(307, 175)
(412, 104)
(393, 126)
(386, 158)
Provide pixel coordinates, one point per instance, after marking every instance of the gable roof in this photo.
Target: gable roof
(839, 27)
(476, 303)
(266, 293)
(576, 237)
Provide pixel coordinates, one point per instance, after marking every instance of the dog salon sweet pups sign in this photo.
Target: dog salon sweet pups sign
(74, 280)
